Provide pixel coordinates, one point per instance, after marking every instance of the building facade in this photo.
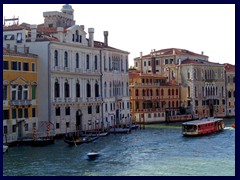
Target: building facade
(230, 89)
(20, 95)
(80, 79)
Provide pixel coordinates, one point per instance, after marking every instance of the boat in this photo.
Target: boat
(233, 125)
(38, 142)
(101, 134)
(120, 130)
(92, 155)
(202, 126)
(71, 140)
(5, 148)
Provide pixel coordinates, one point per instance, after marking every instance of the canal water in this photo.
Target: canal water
(158, 150)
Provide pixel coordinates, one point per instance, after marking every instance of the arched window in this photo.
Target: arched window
(55, 58)
(172, 103)
(143, 92)
(105, 89)
(66, 89)
(88, 90)
(127, 90)
(95, 62)
(229, 94)
(169, 92)
(176, 103)
(77, 60)
(56, 89)
(188, 91)
(110, 63)
(157, 92)
(162, 92)
(77, 37)
(25, 92)
(136, 92)
(110, 89)
(77, 89)
(96, 90)
(65, 59)
(177, 92)
(172, 91)
(87, 62)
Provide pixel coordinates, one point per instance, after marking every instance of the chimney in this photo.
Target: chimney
(33, 32)
(15, 48)
(202, 52)
(105, 33)
(60, 33)
(91, 39)
(82, 27)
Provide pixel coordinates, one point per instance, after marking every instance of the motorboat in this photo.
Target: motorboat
(93, 155)
(5, 148)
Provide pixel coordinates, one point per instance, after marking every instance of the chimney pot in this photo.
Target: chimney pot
(105, 33)
(91, 38)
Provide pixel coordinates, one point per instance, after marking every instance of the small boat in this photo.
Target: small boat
(233, 125)
(202, 126)
(38, 142)
(101, 134)
(92, 155)
(79, 140)
(120, 130)
(5, 148)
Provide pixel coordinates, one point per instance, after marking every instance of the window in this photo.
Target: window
(25, 92)
(5, 92)
(33, 67)
(89, 109)
(19, 66)
(57, 125)
(166, 61)
(5, 130)
(9, 37)
(65, 59)
(33, 91)
(136, 64)
(88, 90)
(26, 127)
(229, 94)
(77, 60)
(97, 109)
(171, 61)
(95, 62)
(19, 37)
(25, 66)
(14, 128)
(149, 63)
(80, 38)
(14, 113)
(106, 108)
(19, 92)
(196, 102)
(56, 89)
(188, 75)
(66, 90)
(20, 113)
(33, 112)
(77, 89)
(25, 113)
(144, 63)
(96, 90)
(87, 63)
(5, 114)
(5, 65)
(56, 58)
(14, 65)
(58, 112)
(67, 111)
(67, 124)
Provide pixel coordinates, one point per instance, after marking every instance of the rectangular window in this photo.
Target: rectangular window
(25, 66)
(97, 109)
(33, 112)
(106, 109)
(196, 102)
(19, 66)
(67, 124)
(149, 63)
(57, 125)
(33, 67)
(223, 101)
(166, 61)
(14, 128)
(58, 112)
(19, 37)
(14, 65)
(67, 111)
(9, 37)
(20, 113)
(89, 109)
(26, 113)
(157, 62)
(34, 92)
(14, 113)
(5, 130)
(136, 64)
(5, 92)
(144, 63)
(80, 38)
(5, 65)
(171, 61)
(5, 114)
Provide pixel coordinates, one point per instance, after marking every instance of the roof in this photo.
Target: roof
(13, 53)
(229, 67)
(193, 61)
(202, 121)
(173, 51)
(14, 27)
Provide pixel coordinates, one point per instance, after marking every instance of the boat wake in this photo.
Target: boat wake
(229, 128)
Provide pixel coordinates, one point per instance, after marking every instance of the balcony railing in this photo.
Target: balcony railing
(26, 102)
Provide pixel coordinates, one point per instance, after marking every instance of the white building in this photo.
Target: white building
(83, 84)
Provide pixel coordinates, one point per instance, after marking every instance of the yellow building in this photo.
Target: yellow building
(20, 102)
(152, 99)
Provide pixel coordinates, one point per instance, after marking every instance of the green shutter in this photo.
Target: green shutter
(33, 92)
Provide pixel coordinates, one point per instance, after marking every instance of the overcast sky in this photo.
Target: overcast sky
(141, 27)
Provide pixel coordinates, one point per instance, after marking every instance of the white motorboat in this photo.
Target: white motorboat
(92, 155)
(5, 148)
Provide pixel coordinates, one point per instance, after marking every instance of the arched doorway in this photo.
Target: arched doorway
(78, 120)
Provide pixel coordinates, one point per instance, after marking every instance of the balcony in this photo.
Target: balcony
(26, 102)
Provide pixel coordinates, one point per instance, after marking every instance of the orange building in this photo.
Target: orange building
(152, 98)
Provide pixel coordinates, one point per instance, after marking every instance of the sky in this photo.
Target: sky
(142, 27)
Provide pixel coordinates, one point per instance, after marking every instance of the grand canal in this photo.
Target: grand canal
(158, 150)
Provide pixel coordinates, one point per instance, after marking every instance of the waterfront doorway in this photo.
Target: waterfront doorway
(79, 120)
